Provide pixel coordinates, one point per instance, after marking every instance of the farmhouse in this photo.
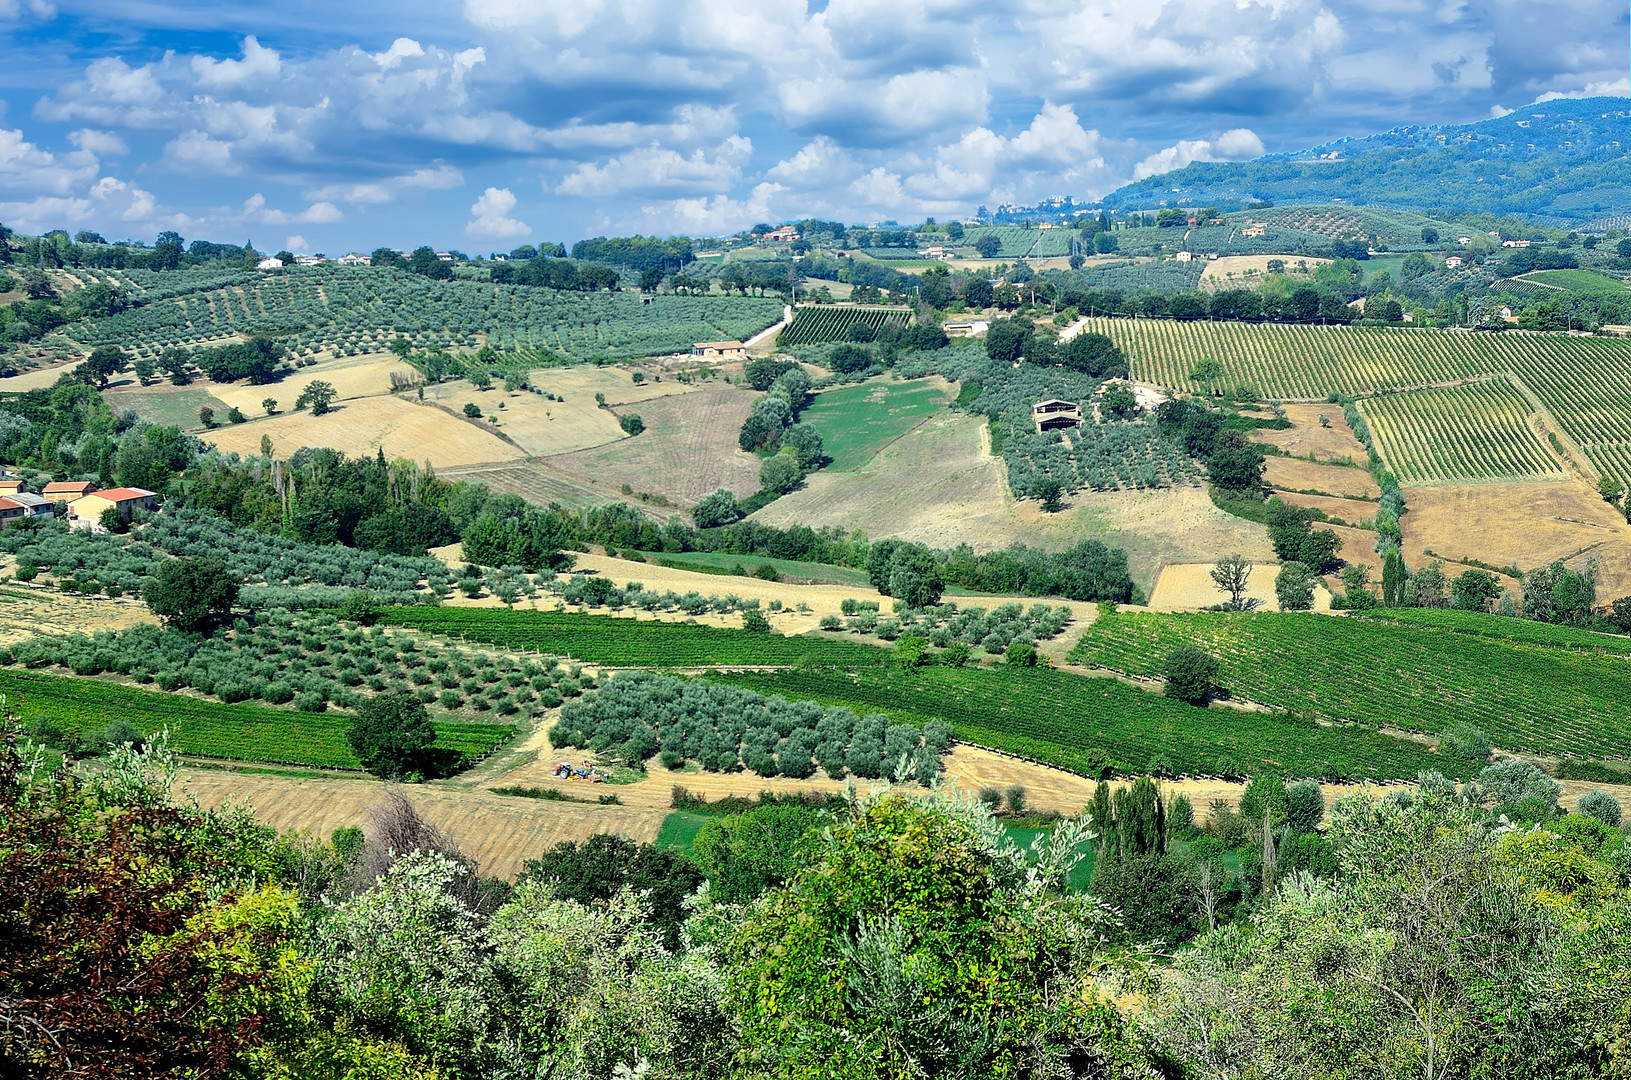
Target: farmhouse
(68, 490)
(271, 262)
(1254, 229)
(10, 484)
(784, 235)
(1453, 262)
(966, 328)
(1183, 256)
(720, 350)
(1053, 415)
(1515, 243)
(86, 512)
(21, 505)
(354, 259)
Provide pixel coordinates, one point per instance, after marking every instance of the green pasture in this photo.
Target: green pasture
(1582, 281)
(856, 422)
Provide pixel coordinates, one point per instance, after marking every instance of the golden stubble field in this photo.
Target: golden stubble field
(351, 377)
(363, 426)
(1248, 271)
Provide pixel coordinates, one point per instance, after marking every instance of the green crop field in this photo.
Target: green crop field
(1526, 696)
(1083, 724)
(815, 325)
(1585, 383)
(857, 421)
(352, 310)
(714, 562)
(608, 639)
(1505, 628)
(239, 732)
(1475, 432)
(1016, 241)
(1585, 281)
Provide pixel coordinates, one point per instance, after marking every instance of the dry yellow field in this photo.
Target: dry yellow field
(362, 426)
(1233, 271)
(1189, 587)
(1328, 442)
(26, 611)
(37, 379)
(1294, 474)
(352, 377)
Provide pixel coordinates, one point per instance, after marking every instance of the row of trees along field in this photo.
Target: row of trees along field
(831, 937)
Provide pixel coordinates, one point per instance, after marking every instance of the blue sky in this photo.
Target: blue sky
(483, 124)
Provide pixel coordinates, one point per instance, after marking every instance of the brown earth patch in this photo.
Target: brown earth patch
(1309, 436)
(1299, 475)
(688, 448)
(1358, 546)
(26, 611)
(363, 426)
(1352, 511)
(1522, 524)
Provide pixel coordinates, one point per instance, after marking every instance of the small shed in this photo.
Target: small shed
(1055, 415)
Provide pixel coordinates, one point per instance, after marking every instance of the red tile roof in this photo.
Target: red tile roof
(119, 495)
(63, 487)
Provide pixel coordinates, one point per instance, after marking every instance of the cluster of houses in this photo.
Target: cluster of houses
(86, 504)
(272, 262)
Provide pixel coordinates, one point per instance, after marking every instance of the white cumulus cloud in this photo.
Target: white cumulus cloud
(1239, 144)
(490, 217)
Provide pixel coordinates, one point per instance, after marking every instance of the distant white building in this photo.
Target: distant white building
(1515, 243)
(445, 256)
(354, 259)
(1183, 256)
(1464, 241)
(310, 260)
(1453, 262)
(966, 328)
(271, 262)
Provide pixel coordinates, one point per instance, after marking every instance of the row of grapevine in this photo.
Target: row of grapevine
(240, 732)
(1087, 724)
(1480, 431)
(606, 639)
(815, 325)
(1584, 383)
(1415, 678)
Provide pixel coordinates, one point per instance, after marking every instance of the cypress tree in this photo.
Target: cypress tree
(1394, 576)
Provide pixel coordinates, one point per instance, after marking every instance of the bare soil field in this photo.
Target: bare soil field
(688, 449)
(499, 832)
(1350, 510)
(1359, 546)
(1243, 271)
(1298, 475)
(1308, 435)
(360, 427)
(26, 611)
(1189, 587)
(532, 480)
(938, 484)
(1525, 524)
(352, 377)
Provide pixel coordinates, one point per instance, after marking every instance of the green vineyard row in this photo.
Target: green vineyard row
(1086, 724)
(815, 325)
(239, 732)
(1391, 674)
(607, 639)
(1480, 431)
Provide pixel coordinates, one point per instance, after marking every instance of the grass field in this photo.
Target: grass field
(606, 639)
(858, 421)
(1525, 695)
(708, 561)
(239, 732)
(1480, 431)
(175, 406)
(679, 831)
(1585, 281)
(1083, 724)
(1584, 383)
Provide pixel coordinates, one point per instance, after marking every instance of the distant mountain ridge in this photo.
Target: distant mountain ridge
(1564, 162)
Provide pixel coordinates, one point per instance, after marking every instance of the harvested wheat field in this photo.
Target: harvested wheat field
(39, 378)
(689, 448)
(1189, 587)
(938, 484)
(534, 481)
(363, 426)
(27, 610)
(1293, 474)
(352, 377)
(533, 422)
(1522, 524)
(1358, 546)
(499, 832)
(1308, 435)
(1245, 271)
(1353, 511)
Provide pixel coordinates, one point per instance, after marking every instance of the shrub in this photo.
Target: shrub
(1305, 806)
(717, 508)
(1602, 806)
(631, 423)
(1020, 654)
(1465, 742)
(1514, 780)
(1190, 674)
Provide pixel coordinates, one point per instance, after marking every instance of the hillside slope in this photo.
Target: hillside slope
(1561, 161)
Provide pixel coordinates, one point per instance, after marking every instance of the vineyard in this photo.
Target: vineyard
(352, 310)
(1087, 725)
(1506, 628)
(1480, 431)
(1016, 242)
(608, 639)
(1132, 277)
(1584, 383)
(239, 732)
(817, 325)
(1417, 678)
